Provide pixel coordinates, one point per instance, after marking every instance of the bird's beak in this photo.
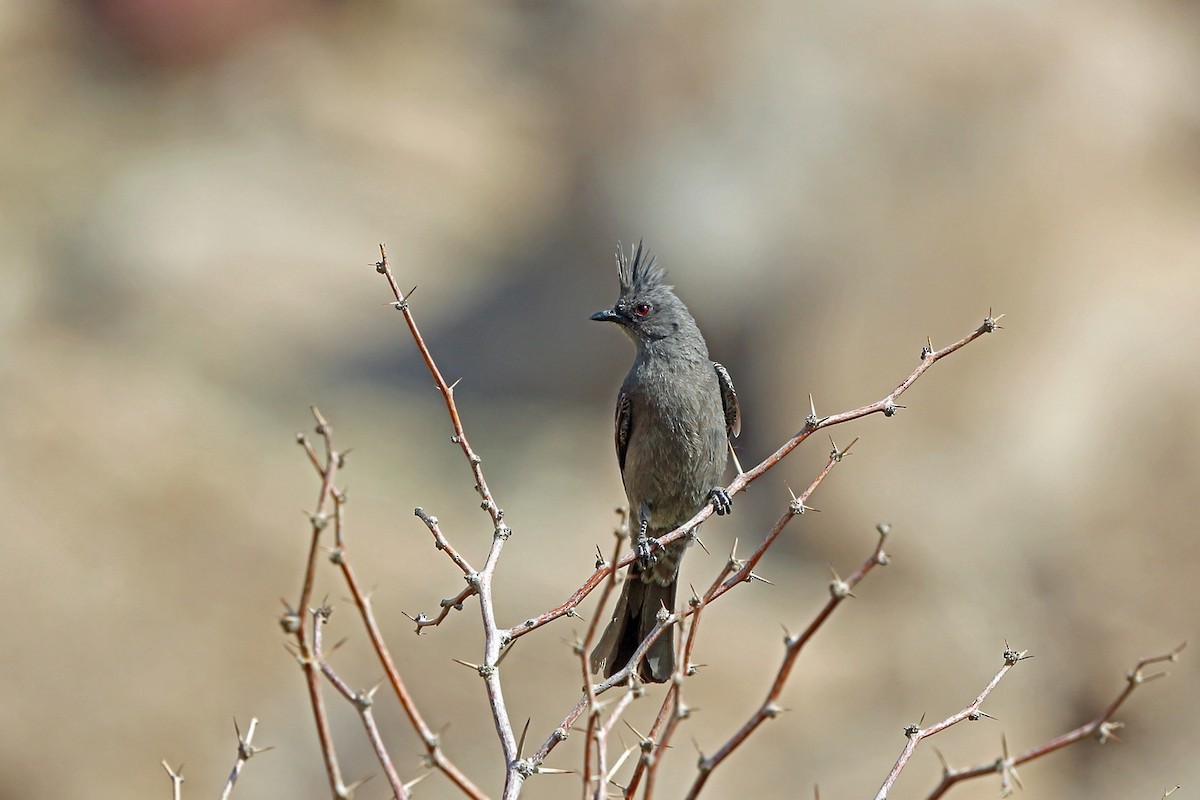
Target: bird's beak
(608, 315)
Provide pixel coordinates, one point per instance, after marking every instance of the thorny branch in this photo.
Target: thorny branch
(296, 621)
(479, 582)
(1102, 727)
(735, 572)
(516, 769)
(362, 702)
(339, 555)
(916, 733)
(246, 750)
(839, 590)
(886, 406)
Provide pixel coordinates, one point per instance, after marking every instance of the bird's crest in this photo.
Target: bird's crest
(639, 270)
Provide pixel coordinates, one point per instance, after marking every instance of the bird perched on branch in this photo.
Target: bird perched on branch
(676, 412)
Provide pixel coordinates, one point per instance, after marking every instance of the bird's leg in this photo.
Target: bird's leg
(644, 547)
(722, 502)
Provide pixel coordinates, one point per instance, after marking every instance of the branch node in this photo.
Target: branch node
(1107, 730)
(1012, 656)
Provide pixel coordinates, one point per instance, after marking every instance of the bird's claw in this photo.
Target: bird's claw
(644, 550)
(722, 502)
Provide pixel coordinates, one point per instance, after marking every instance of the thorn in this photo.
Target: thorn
(457, 381)
(417, 780)
(942, 758)
(621, 760)
(466, 664)
(348, 791)
(755, 577)
(521, 743)
(737, 464)
(636, 732)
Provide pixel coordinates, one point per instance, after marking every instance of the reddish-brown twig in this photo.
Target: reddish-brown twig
(916, 734)
(494, 640)
(1101, 727)
(297, 621)
(839, 590)
(732, 574)
(735, 571)
(887, 406)
(434, 755)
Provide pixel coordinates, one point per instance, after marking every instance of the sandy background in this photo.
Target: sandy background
(192, 194)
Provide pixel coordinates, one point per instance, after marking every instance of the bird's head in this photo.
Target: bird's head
(647, 309)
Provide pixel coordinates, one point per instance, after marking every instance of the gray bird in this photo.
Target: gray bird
(676, 412)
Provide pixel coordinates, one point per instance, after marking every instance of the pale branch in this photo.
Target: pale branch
(839, 590)
(435, 757)
(246, 750)
(494, 640)
(916, 734)
(442, 543)
(886, 406)
(1102, 728)
(362, 702)
(176, 780)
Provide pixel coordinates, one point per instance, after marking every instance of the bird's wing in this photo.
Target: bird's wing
(729, 401)
(621, 430)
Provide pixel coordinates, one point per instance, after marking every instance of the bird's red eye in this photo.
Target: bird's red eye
(641, 309)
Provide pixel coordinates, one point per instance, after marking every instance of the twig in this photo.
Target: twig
(887, 406)
(362, 702)
(734, 573)
(297, 621)
(839, 590)
(1102, 727)
(176, 780)
(434, 755)
(516, 769)
(594, 778)
(246, 751)
(916, 733)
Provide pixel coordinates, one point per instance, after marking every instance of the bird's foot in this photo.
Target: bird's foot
(722, 502)
(644, 549)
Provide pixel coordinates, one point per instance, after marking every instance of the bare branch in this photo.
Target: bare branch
(434, 755)
(495, 640)
(1101, 727)
(887, 406)
(916, 733)
(297, 621)
(839, 590)
(176, 780)
(246, 750)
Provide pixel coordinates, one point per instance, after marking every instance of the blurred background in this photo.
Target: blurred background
(192, 196)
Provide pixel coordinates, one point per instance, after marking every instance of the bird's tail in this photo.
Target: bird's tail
(634, 617)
